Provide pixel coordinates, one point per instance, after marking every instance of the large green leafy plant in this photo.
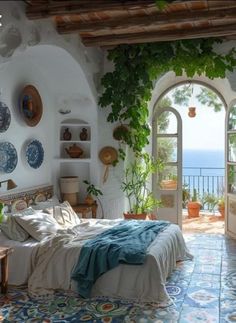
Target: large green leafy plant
(135, 184)
(128, 89)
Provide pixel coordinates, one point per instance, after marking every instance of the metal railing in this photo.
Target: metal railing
(207, 181)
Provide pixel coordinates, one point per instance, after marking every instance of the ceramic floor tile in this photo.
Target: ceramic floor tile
(176, 291)
(207, 269)
(228, 279)
(205, 281)
(208, 259)
(227, 294)
(228, 311)
(194, 315)
(202, 297)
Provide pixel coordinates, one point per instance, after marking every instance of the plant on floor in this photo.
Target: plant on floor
(92, 190)
(194, 205)
(211, 200)
(185, 195)
(221, 206)
(135, 184)
(128, 88)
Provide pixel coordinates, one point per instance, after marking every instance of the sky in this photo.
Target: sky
(206, 131)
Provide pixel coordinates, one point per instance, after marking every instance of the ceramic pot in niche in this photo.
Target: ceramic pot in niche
(83, 134)
(67, 134)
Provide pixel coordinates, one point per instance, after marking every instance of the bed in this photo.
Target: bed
(47, 265)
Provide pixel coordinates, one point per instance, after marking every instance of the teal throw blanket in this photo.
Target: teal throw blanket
(126, 243)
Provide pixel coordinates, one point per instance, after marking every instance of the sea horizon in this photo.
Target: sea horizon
(205, 162)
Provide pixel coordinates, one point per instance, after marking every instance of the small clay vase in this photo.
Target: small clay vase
(67, 134)
(191, 112)
(83, 134)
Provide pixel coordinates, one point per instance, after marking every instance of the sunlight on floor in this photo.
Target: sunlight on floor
(206, 223)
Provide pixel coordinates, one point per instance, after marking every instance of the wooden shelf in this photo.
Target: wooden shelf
(74, 160)
(74, 141)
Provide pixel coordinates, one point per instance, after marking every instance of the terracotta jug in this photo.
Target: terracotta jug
(67, 134)
(83, 134)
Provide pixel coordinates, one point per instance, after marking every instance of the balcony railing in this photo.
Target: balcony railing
(206, 181)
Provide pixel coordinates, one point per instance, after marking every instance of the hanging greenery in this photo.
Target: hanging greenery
(128, 89)
(162, 3)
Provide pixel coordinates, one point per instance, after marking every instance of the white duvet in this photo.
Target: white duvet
(53, 261)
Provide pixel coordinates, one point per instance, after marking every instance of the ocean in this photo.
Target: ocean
(204, 170)
(203, 159)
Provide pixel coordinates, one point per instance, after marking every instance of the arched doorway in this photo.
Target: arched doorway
(206, 185)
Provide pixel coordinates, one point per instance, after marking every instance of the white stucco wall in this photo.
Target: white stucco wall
(65, 74)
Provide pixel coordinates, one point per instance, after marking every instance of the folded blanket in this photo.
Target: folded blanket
(125, 243)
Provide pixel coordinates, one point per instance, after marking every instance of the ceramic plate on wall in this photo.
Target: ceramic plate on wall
(31, 107)
(34, 154)
(5, 117)
(19, 205)
(8, 157)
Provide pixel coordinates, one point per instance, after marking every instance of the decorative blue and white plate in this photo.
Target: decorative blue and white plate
(34, 153)
(8, 157)
(5, 117)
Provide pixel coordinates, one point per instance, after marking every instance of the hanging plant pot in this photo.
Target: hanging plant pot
(191, 112)
(120, 132)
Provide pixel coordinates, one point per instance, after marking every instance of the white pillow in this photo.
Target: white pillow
(65, 215)
(46, 204)
(12, 229)
(39, 225)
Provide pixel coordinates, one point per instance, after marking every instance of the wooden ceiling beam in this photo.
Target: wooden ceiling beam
(58, 8)
(159, 36)
(154, 20)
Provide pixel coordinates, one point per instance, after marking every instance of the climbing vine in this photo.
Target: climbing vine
(128, 89)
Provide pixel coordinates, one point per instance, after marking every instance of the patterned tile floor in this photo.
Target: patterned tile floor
(203, 290)
(207, 286)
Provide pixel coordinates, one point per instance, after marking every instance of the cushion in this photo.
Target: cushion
(46, 204)
(39, 225)
(65, 215)
(11, 228)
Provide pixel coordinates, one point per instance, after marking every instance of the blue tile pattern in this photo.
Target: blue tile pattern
(203, 290)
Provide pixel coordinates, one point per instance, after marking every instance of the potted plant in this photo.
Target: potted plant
(185, 196)
(92, 191)
(170, 183)
(193, 205)
(221, 207)
(135, 186)
(211, 200)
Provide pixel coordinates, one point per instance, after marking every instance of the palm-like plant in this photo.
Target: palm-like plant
(135, 184)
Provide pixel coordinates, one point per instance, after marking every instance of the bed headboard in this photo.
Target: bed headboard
(22, 199)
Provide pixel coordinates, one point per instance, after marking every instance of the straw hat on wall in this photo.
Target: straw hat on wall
(107, 155)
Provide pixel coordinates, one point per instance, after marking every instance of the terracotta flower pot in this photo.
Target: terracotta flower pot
(89, 199)
(169, 184)
(193, 209)
(221, 209)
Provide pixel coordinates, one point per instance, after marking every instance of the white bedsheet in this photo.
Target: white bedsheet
(20, 261)
(145, 283)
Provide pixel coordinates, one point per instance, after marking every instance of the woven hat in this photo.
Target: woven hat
(108, 155)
